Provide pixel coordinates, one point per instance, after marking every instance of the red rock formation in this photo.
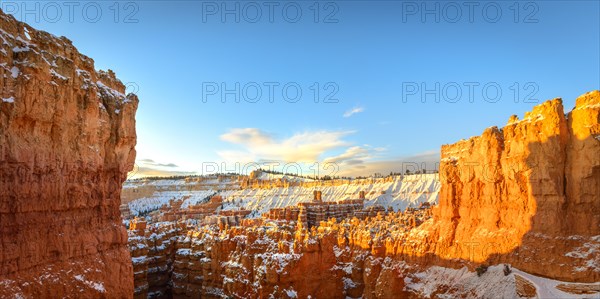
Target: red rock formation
(256, 262)
(280, 259)
(153, 253)
(311, 213)
(67, 137)
(528, 194)
(583, 166)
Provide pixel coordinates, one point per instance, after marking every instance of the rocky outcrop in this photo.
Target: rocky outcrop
(582, 169)
(527, 194)
(284, 259)
(67, 137)
(153, 253)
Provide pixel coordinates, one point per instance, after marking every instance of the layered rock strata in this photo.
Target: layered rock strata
(284, 259)
(67, 137)
(527, 194)
(153, 253)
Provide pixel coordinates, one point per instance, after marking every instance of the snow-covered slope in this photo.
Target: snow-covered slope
(157, 183)
(289, 178)
(398, 193)
(439, 282)
(160, 198)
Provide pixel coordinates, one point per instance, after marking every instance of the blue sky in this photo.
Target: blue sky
(373, 57)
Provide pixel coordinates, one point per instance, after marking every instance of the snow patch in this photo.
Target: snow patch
(348, 283)
(98, 286)
(27, 33)
(56, 74)
(20, 49)
(15, 71)
(291, 293)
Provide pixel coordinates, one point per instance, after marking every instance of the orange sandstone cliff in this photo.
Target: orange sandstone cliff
(67, 137)
(527, 194)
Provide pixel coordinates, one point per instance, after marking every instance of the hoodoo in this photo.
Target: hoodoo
(67, 137)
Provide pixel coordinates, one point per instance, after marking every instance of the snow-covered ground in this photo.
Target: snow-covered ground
(399, 193)
(157, 183)
(160, 198)
(287, 177)
(461, 283)
(546, 288)
(181, 184)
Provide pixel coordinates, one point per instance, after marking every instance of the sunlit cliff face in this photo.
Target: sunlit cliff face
(67, 138)
(510, 194)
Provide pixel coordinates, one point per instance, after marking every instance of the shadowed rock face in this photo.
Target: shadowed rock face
(67, 137)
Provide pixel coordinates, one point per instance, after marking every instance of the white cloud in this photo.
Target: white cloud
(152, 163)
(353, 155)
(247, 136)
(149, 167)
(302, 147)
(353, 111)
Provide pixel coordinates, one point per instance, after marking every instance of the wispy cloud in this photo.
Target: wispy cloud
(149, 167)
(144, 171)
(352, 156)
(152, 163)
(301, 147)
(247, 136)
(353, 111)
(355, 159)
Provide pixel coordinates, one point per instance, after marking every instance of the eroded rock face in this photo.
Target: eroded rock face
(273, 258)
(67, 137)
(153, 252)
(280, 261)
(527, 194)
(583, 166)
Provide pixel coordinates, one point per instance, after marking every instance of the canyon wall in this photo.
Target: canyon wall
(527, 194)
(67, 137)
